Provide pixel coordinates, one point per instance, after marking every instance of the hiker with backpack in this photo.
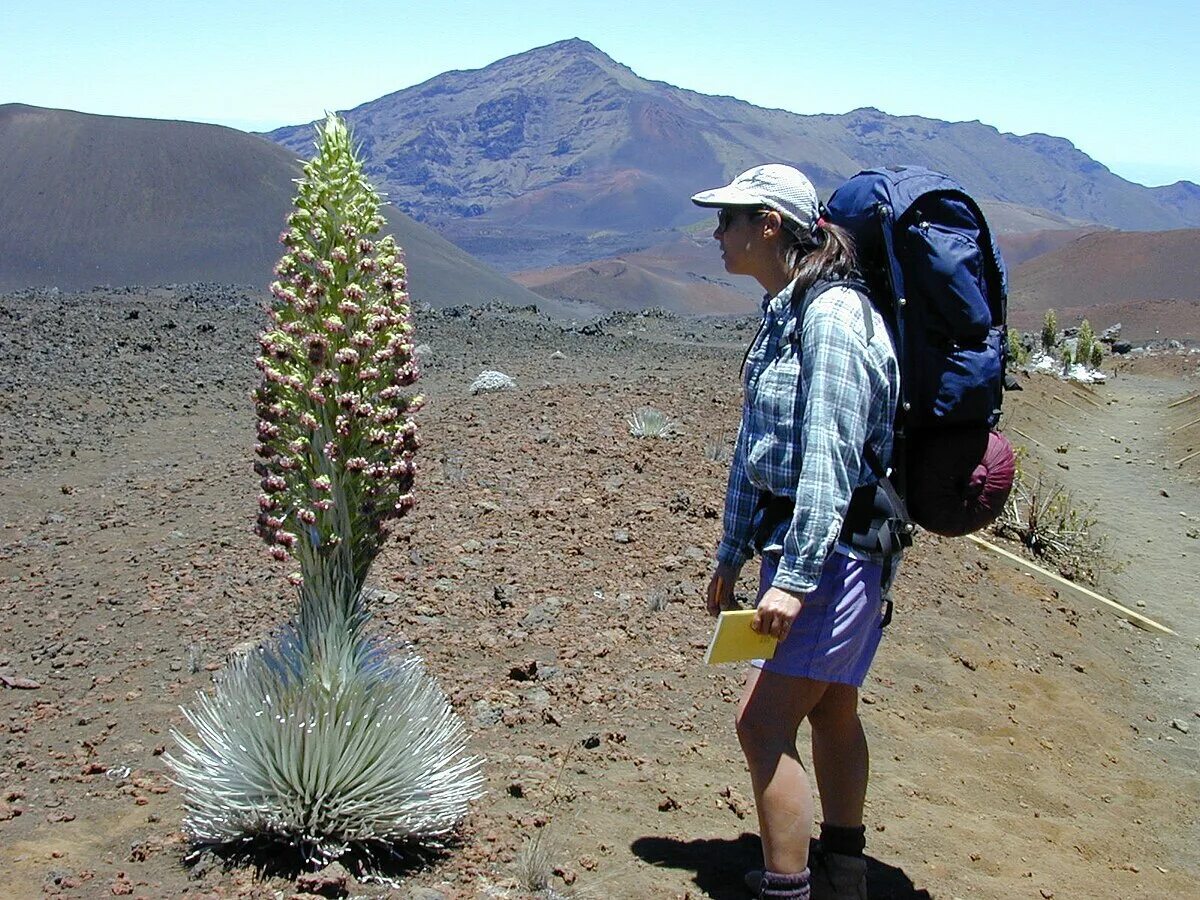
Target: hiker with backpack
(821, 387)
(872, 392)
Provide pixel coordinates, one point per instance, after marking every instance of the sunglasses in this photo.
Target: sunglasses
(727, 215)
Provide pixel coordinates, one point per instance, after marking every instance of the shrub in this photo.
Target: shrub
(1084, 342)
(1017, 354)
(1044, 517)
(1049, 331)
(1097, 357)
(718, 449)
(535, 862)
(651, 423)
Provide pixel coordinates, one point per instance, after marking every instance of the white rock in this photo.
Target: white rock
(490, 380)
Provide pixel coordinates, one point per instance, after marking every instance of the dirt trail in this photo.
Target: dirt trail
(1111, 446)
(1121, 463)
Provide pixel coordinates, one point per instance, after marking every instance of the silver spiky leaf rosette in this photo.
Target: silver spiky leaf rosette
(327, 740)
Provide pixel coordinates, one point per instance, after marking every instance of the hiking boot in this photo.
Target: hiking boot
(753, 881)
(836, 876)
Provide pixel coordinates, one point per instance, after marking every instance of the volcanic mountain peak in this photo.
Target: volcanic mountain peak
(561, 154)
(464, 143)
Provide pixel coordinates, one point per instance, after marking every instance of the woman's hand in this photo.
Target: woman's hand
(777, 610)
(720, 588)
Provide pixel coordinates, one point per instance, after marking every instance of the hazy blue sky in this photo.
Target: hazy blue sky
(1121, 80)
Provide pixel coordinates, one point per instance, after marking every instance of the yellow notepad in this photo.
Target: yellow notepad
(734, 640)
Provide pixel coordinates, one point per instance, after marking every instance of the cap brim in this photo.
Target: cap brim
(726, 196)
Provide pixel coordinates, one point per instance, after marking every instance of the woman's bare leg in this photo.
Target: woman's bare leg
(841, 761)
(772, 708)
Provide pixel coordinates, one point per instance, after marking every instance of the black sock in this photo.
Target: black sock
(785, 887)
(839, 839)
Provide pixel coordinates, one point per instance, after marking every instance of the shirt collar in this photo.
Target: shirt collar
(781, 301)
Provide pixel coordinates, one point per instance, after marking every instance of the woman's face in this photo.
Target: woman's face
(739, 232)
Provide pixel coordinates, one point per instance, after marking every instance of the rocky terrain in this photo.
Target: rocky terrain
(1026, 743)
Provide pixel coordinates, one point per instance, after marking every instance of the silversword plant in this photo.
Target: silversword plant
(330, 736)
(650, 422)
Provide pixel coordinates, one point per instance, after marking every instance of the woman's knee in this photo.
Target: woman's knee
(772, 708)
(837, 709)
(760, 727)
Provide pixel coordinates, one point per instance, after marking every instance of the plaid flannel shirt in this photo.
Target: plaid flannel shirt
(815, 394)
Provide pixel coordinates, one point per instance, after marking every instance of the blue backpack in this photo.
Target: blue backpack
(933, 269)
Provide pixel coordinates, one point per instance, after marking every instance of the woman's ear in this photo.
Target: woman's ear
(772, 224)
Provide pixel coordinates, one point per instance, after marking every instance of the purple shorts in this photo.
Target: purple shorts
(838, 630)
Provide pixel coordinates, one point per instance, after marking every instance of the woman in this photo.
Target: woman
(820, 390)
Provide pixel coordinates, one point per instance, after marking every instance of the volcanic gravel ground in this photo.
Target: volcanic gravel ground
(1025, 743)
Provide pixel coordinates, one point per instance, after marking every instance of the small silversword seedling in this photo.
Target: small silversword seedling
(329, 737)
(650, 422)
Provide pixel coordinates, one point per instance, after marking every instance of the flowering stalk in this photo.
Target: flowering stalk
(329, 737)
(335, 432)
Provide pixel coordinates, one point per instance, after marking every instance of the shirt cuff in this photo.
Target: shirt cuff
(795, 579)
(729, 555)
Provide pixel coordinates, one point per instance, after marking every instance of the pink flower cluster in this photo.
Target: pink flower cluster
(336, 438)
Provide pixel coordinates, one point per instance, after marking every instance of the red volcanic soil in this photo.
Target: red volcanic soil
(1026, 742)
(1116, 276)
(1020, 247)
(1147, 282)
(684, 275)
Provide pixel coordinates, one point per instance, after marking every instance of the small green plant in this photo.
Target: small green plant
(1066, 359)
(535, 862)
(1097, 357)
(1044, 516)
(1017, 354)
(649, 422)
(1049, 330)
(1084, 342)
(718, 449)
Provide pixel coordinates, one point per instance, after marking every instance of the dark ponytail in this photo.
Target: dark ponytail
(823, 252)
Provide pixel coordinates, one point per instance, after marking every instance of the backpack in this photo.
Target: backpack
(933, 269)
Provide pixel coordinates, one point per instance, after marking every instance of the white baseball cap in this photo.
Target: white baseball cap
(781, 188)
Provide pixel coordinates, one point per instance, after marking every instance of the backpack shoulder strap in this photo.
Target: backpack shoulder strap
(821, 285)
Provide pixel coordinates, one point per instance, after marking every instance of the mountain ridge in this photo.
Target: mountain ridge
(1103, 269)
(147, 201)
(525, 161)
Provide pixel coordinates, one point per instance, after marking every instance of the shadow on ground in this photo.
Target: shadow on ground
(276, 859)
(720, 863)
